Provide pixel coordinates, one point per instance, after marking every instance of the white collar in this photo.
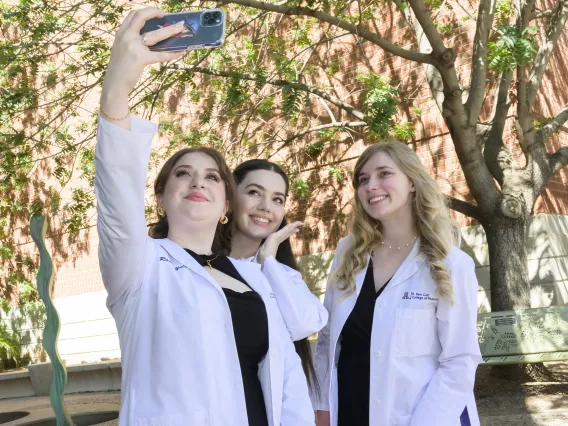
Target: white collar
(252, 258)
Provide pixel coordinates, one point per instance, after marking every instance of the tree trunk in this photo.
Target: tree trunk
(510, 285)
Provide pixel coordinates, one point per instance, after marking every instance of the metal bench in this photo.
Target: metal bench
(524, 336)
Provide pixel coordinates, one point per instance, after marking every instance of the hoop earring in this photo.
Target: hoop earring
(224, 220)
(161, 211)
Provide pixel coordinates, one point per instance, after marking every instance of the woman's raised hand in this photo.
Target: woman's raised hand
(130, 55)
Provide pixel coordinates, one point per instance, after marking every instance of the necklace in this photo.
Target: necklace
(209, 262)
(398, 248)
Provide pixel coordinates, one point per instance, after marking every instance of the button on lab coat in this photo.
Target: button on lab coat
(179, 357)
(424, 352)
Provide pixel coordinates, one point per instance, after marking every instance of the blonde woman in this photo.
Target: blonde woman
(401, 345)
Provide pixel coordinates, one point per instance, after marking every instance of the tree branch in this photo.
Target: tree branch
(443, 80)
(445, 57)
(550, 128)
(337, 124)
(559, 159)
(475, 98)
(463, 207)
(523, 107)
(554, 29)
(280, 83)
(542, 13)
(502, 103)
(357, 30)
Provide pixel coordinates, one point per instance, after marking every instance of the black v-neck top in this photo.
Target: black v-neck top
(250, 327)
(354, 367)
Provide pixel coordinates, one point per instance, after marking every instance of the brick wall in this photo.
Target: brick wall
(326, 217)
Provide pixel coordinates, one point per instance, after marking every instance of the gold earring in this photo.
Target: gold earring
(224, 220)
(161, 211)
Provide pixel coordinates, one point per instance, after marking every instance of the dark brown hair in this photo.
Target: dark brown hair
(285, 256)
(222, 240)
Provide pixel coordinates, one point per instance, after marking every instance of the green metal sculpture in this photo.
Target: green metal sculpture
(44, 279)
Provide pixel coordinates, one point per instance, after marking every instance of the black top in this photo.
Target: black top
(354, 367)
(250, 326)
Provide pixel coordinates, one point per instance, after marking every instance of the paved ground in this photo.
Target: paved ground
(500, 402)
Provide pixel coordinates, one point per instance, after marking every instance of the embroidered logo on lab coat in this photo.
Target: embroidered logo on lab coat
(177, 268)
(417, 296)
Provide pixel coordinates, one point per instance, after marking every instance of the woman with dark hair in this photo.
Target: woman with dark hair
(202, 339)
(262, 234)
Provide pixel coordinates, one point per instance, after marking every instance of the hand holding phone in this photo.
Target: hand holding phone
(201, 29)
(130, 56)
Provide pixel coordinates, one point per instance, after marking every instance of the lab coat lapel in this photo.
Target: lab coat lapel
(360, 277)
(409, 267)
(183, 257)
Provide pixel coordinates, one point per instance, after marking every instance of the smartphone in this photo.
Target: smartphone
(202, 29)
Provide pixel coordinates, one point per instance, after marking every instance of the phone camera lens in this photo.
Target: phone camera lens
(216, 15)
(207, 16)
(211, 21)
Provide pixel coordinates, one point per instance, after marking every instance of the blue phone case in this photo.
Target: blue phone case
(203, 29)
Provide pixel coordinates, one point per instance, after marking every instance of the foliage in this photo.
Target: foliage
(315, 149)
(503, 11)
(404, 132)
(380, 102)
(300, 188)
(337, 172)
(9, 345)
(511, 48)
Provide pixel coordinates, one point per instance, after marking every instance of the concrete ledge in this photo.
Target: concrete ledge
(96, 377)
(36, 380)
(16, 384)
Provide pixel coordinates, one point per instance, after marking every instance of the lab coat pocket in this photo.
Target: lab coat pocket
(196, 418)
(400, 420)
(415, 332)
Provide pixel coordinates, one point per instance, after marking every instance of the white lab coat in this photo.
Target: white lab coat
(179, 358)
(302, 312)
(424, 352)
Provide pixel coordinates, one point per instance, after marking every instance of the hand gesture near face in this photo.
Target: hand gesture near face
(273, 241)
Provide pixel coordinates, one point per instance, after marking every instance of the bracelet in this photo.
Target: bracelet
(113, 119)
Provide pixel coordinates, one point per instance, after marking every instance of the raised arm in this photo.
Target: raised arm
(129, 56)
(302, 311)
(121, 158)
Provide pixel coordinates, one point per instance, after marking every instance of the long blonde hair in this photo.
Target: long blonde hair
(436, 229)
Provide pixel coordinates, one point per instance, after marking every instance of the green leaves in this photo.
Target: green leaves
(404, 132)
(511, 48)
(300, 188)
(503, 11)
(380, 102)
(315, 149)
(82, 201)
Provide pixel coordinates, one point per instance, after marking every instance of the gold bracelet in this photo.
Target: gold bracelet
(113, 119)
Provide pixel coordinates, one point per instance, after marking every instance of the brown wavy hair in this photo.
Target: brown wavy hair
(436, 229)
(222, 240)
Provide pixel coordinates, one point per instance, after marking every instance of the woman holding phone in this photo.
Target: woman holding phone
(401, 345)
(261, 234)
(202, 339)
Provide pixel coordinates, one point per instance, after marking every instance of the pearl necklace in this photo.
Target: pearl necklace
(398, 248)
